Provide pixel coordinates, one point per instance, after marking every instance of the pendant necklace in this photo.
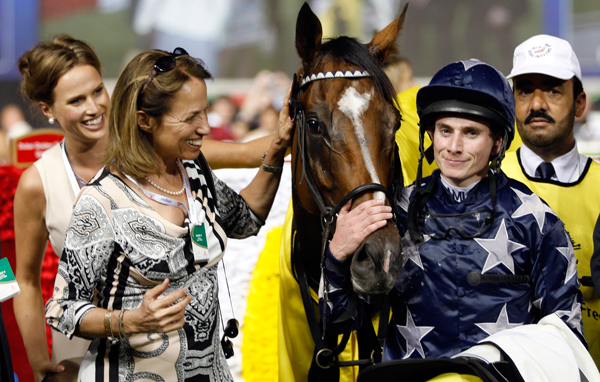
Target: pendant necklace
(80, 179)
(75, 179)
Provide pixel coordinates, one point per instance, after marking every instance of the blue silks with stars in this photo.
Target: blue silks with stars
(436, 312)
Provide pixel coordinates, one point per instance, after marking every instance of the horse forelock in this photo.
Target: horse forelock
(368, 108)
(351, 51)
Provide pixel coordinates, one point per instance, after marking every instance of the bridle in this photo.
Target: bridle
(328, 213)
(326, 357)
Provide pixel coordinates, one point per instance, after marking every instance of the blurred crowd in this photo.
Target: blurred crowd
(254, 116)
(587, 127)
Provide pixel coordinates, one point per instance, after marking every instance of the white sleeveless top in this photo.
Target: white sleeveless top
(59, 195)
(59, 207)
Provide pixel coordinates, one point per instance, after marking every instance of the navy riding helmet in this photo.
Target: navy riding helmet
(470, 88)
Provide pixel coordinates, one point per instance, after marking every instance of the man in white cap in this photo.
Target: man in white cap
(549, 96)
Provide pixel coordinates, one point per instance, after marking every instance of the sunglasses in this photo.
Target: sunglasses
(162, 65)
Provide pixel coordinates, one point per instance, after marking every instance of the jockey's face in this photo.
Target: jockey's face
(462, 149)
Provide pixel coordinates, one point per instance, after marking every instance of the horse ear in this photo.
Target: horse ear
(383, 45)
(308, 35)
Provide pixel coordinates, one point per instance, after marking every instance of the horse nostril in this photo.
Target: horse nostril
(371, 258)
(364, 260)
(361, 255)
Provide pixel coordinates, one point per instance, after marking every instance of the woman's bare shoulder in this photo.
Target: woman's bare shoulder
(30, 184)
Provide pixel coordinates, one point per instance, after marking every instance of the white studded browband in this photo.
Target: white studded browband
(338, 74)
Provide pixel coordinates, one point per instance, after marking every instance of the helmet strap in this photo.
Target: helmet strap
(416, 205)
(420, 196)
(421, 156)
(496, 160)
(492, 186)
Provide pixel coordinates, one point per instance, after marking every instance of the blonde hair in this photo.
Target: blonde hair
(43, 65)
(129, 147)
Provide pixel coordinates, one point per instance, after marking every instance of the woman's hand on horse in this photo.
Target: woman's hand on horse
(285, 132)
(354, 226)
(158, 314)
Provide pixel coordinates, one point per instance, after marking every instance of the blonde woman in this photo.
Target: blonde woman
(138, 273)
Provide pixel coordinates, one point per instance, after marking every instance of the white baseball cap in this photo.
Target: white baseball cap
(547, 55)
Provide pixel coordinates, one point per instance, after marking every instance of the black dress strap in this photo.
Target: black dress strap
(201, 161)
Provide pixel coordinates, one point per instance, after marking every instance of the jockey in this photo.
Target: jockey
(489, 271)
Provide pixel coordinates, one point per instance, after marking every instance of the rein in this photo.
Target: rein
(326, 357)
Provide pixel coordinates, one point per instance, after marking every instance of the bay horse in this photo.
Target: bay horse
(344, 149)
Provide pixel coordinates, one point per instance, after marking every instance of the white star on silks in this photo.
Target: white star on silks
(572, 267)
(532, 204)
(499, 250)
(501, 323)
(413, 335)
(572, 315)
(410, 250)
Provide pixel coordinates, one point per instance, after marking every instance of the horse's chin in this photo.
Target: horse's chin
(370, 288)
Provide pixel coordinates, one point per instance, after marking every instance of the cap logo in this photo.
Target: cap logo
(540, 51)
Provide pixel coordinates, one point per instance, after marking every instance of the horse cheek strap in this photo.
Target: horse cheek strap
(326, 352)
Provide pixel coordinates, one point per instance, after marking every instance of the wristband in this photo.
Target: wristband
(267, 168)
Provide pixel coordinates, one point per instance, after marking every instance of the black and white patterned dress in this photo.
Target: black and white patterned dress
(117, 248)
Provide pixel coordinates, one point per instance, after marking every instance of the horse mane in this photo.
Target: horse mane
(352, 51)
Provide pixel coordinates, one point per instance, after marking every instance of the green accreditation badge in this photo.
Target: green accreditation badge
(199, 243)
(8, 284)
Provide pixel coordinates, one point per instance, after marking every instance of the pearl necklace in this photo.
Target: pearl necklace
(175, 193)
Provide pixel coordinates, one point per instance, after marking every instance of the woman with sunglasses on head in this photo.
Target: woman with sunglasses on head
(138, 273)
(483, 255)
(62, 77)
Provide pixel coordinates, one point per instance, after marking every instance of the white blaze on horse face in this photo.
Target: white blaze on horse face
(353, 105)
(386, 261)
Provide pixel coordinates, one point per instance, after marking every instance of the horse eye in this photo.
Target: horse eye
(313, 126)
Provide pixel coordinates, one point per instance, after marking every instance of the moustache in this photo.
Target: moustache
(539, 114)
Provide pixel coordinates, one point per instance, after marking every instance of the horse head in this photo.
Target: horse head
(346, 118)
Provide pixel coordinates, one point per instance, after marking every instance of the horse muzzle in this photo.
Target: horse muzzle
(377, 262)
